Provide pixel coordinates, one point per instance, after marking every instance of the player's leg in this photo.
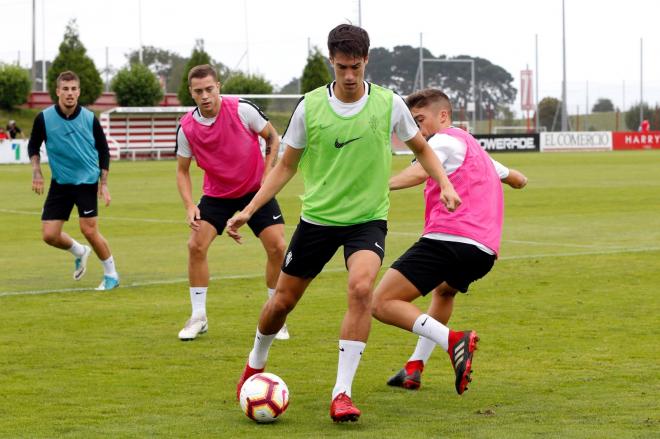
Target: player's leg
(440, 308)
(419, 270)
(56, 211)
(364, 251)
(268, 225)
(311, 247)
(87, 202)
(198, 278)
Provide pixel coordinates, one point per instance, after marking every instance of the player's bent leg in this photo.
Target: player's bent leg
(272, 239)
(391, 301)
(273, 316)
(198, 275)
(89, 228)
(52, 234)
(410, 376)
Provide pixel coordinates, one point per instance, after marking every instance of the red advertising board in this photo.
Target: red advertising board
(636, 140)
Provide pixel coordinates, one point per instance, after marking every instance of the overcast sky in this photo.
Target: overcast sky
(603, 36)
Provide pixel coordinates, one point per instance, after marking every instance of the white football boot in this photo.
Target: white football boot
(81, 264)
(283, 333)
(194, 327)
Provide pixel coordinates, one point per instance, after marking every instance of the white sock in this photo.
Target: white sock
(423, 350)
(77, 249)
(198, 300)
(350, 353)
(109, 267)
(428, 327)
(259, 353)
(271, 291)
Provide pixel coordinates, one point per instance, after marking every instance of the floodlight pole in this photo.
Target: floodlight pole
(536, 78)
(421, 63)
(34, 42)
(140, 29)
(360, 13)
(43, 45)
(641, 81)
(564, 107)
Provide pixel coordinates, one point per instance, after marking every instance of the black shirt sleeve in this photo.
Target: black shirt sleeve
(101, 145)
(38, 135)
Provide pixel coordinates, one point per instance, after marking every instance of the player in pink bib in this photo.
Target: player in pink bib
(222, 133)
(455, 249)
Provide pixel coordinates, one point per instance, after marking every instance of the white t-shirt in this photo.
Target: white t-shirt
(451, 153)
(251, 116)
(402, 121)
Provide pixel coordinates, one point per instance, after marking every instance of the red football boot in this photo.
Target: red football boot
(343, 410)
(461, 348)
(247, 373)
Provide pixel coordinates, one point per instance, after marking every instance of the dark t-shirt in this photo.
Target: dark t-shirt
(13, 132)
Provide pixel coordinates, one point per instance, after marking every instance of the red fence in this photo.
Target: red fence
(107, 100)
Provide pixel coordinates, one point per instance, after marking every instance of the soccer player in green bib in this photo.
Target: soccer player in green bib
(339, 135)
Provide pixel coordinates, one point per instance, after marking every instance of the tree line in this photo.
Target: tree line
(148, 75)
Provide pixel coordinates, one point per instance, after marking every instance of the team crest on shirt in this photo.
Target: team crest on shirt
(373, 123)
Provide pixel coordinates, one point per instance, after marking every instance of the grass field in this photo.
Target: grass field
(568, 319)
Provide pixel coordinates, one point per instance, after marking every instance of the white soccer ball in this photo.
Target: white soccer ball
(264, 397)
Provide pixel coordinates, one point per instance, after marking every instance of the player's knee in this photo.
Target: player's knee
(360, 293)
(50, 237)
(88, 231)
(377, 304)
(276, 250)
(281, 304)
(196, 248)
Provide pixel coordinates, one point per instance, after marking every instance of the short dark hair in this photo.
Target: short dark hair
(202, 71)
(428, 96)
(67, 75)
(349, 40)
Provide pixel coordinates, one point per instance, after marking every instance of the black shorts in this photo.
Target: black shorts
(429, 262)
(62, 197)
(312, 246)
(217, 211)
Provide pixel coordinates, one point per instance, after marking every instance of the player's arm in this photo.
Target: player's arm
(101, 145)
(409, 177)
(512, 177)
(431, 164)
(515, 179)
(183, 180)
(276, 180)
(269, 134)
(37, 137)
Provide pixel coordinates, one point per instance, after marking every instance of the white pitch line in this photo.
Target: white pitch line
(329, 270)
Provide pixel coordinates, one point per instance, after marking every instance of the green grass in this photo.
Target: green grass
(568, 319)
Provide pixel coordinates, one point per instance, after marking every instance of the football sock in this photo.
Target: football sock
(198, 300)
(109, 267)
(428, 327)
(259, 353)
(350, 353)
(77, 249)
(271, 291)
(423, 350)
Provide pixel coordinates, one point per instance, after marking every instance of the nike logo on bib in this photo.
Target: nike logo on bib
(339, 144)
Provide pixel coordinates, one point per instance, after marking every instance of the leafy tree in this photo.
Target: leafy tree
(398, 70)
(240, 83)
(164, 63)
(316, 73)
(73, 56)
(550, 113)
(603, 105)
(15, 86)
(198, 56)
(632, 117)
(137, 86)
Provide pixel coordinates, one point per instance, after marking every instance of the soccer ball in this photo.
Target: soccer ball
(264, 397)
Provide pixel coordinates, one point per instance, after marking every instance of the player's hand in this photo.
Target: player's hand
(104, 194)
(37, 183)
(450, 198)
(193, 216)
(234, 224)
